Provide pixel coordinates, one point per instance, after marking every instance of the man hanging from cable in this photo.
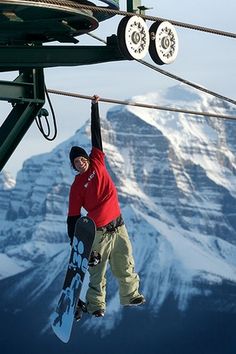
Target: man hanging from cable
(94, 190)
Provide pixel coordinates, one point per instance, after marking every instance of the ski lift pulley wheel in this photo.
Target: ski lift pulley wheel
(163, 42)
(133, 37)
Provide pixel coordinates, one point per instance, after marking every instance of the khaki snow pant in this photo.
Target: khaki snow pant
(116, 249)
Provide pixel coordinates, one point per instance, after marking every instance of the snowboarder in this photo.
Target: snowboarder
(94, 190)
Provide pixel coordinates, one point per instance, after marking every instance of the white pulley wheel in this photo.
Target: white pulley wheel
(133, 37)
(164, 43)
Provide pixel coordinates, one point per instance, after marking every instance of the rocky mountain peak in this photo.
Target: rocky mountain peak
(175, 176)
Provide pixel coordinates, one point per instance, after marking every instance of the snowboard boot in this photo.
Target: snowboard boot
(80, 309)
(99, 313)
(140, 300)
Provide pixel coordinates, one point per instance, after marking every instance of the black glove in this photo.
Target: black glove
(71, 221)
(95, 259)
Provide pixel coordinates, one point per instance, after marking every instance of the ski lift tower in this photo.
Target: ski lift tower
(27, 27)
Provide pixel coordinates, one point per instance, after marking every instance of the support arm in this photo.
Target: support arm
(26, 105)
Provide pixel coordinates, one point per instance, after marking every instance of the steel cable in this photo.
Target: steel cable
(111, 11)
(187, 82)
(175, 77)
(143, 105)
(154, 18)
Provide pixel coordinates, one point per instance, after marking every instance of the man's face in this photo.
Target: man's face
(81, 164)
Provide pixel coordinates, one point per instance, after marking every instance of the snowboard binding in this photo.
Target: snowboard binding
(95, 259)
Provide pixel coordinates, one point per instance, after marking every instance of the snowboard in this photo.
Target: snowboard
(63, 317)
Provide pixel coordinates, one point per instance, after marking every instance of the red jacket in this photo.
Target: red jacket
(95, 191)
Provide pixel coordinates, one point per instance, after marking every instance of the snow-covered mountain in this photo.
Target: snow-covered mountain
(175, 175)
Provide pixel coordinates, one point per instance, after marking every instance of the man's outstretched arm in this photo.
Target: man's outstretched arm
(95, 124)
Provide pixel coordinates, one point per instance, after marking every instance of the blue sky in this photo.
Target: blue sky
(206, 59)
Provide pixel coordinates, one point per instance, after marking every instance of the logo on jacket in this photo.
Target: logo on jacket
(90, 179)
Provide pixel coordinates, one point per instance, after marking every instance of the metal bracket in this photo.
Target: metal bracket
(26, 94)
(15, 57)
(133, 5)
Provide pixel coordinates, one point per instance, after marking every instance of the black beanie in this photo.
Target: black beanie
(77, 151)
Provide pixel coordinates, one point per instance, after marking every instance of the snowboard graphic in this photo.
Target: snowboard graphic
(63, 317)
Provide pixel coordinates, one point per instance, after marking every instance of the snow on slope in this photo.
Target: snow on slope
(9, 267)
(6, 181)
(194, 138)
(190, 255)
